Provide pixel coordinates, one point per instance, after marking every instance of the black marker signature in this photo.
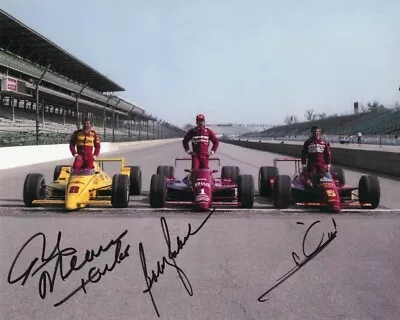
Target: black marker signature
(171, 255)
(47, 279)
(300, 264)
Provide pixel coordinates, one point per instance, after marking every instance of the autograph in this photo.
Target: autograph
(171, 255)
(47, 279)
(300, 264)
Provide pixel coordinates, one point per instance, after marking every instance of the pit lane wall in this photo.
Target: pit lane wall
(378, 161)
(13, 157)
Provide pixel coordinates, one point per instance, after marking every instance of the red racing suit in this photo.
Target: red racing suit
(84, 142)
(200, 138)
(317, 154)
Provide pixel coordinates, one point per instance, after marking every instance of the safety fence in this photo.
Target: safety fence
(20, 125)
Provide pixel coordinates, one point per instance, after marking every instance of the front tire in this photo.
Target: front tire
(34, 188)
(120, 191)
(282, 192)
(246, 191)
(369, 191)
(265, 174)
(158, 190)
(135, 178)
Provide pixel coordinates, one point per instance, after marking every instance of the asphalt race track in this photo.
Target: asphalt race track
(234, 258)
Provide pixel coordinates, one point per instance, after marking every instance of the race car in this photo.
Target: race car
(346, 139)
(76, 189)
(319, 191)
(199, 189)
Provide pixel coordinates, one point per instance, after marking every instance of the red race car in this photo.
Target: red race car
(318, 191)
(199, 189)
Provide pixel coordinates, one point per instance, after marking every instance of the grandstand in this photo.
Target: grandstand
(45, 92)
(379, 121)
(233, 130)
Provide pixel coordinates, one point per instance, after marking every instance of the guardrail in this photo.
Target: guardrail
(372, 158)
(367, 139)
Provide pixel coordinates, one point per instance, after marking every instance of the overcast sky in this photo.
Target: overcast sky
(234, 61)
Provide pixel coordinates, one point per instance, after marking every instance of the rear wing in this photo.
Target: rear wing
(297, 163)
(190, 159)
(101, 161)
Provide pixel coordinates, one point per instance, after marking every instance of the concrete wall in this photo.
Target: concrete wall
(385, 162)
(12, 157)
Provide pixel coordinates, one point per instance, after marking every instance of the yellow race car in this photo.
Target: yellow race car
(81, 188)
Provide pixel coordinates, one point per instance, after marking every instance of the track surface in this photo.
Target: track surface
(234, 258)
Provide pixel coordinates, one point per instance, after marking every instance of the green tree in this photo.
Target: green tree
(310, 115)
(291, 119)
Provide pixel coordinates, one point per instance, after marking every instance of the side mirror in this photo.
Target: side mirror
(215, 171)
(188, 170)
(96, 172)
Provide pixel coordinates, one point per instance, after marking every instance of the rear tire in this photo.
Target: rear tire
(57, 171)
(167, 171)
(34, 188)
(340, 174)
(246, 191)
(369, 191)
(282, 192)
(158, 190)
(264, 185)
(120, 191)
(135, 178)
(230, 172)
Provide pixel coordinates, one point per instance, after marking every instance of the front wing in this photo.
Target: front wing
(182, 194)
(61, 202)
(103, 198)
(310, 198)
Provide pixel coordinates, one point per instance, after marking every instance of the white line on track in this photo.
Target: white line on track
(255, 209)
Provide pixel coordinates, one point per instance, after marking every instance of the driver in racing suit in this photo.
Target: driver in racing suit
(316, 156)
(200, 137)
(85, 140)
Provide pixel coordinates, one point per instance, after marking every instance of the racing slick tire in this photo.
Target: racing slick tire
(57, 171)
(120, 191)
(246, 191)
(340, 174)
(135, 178)
(282, 196)
(34, 188)
(158, 190)
(230, 172)
(168, 171)
(369, 191)
(264, 180)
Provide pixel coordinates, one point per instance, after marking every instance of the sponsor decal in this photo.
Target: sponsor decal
(331, 193)
(202, 184)
(202, 196)
(73, 189)
(77, 182)
(316, 148)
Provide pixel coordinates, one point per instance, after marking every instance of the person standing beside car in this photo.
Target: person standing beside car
(81, 145)
(200, 137)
